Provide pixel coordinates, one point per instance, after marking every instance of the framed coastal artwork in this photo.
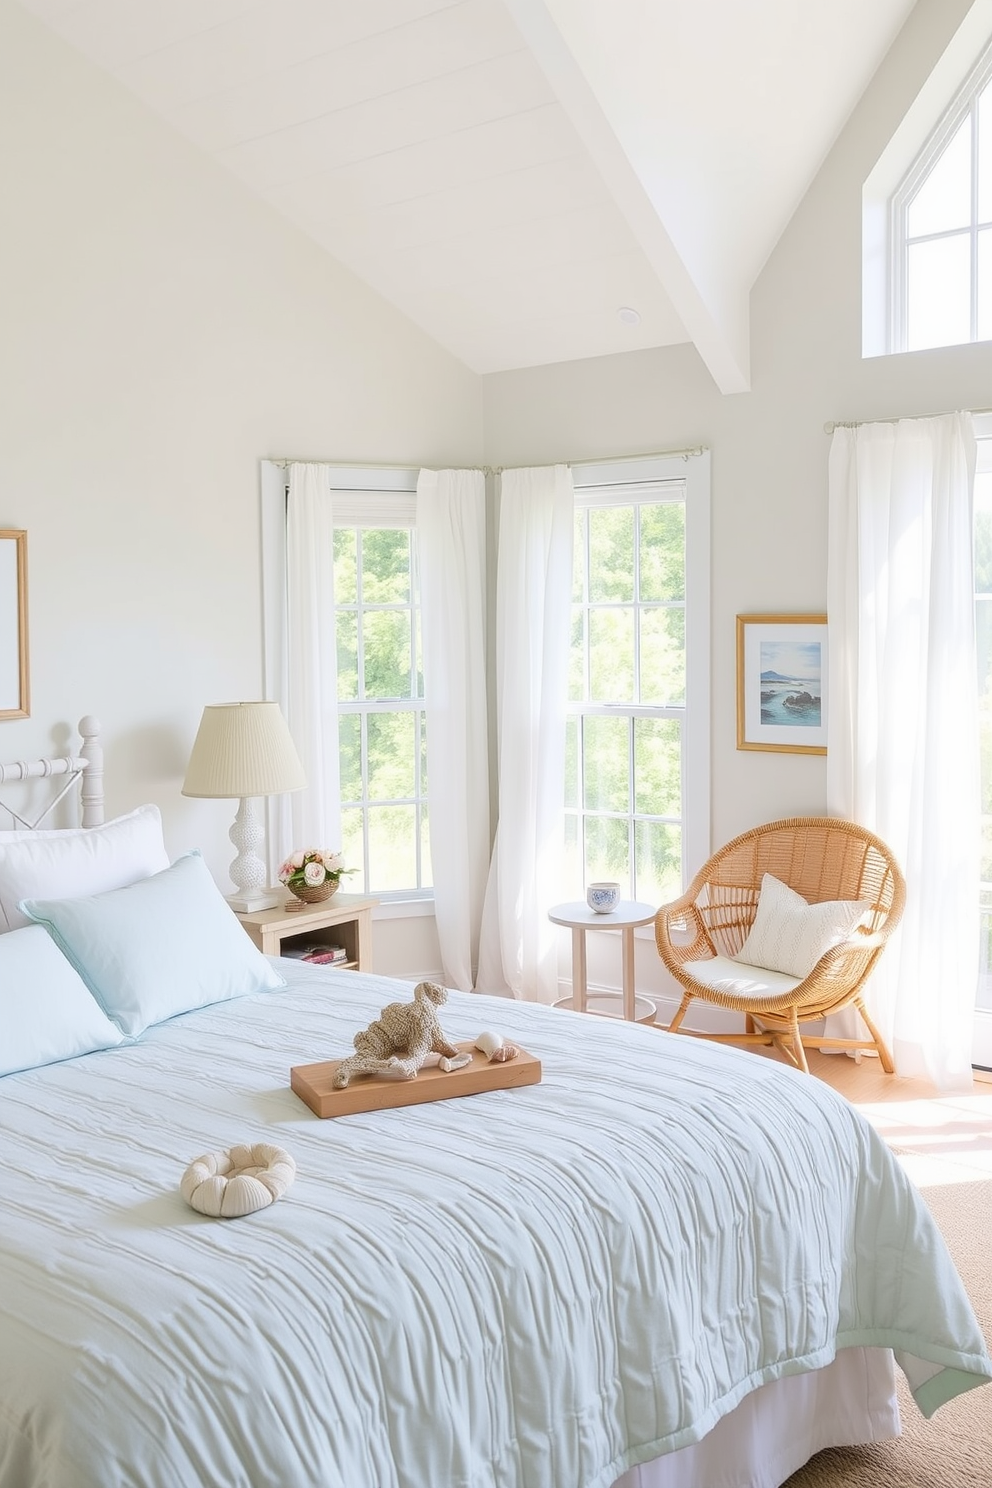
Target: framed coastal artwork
(13, 625)
(782, 683)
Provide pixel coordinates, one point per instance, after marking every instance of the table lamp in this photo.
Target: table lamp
(243, 751)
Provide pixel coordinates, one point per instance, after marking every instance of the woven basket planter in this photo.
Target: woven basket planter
(315, 896)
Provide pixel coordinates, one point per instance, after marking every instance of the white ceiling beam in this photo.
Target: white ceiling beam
(715, 314)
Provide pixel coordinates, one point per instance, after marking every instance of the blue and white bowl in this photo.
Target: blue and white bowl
(603, 898)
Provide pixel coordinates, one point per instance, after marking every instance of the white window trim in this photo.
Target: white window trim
(946, 80)
(962, 105)
(982, 1027)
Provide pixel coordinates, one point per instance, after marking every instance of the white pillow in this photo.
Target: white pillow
(46, 1012)
(82, 860)
(790, 935)
(161, 946)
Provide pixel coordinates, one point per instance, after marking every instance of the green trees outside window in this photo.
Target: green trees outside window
(381, 724)
(627, 683)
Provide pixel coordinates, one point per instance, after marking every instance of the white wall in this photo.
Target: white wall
(162, 332)
(769, 449)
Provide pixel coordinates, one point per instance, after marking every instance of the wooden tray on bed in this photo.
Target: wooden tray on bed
(312, 1083)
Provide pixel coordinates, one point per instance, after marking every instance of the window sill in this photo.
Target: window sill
(404, 909)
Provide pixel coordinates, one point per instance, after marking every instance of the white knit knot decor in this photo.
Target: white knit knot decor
(228, 1185)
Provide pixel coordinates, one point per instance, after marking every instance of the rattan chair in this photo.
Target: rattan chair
(821, 858)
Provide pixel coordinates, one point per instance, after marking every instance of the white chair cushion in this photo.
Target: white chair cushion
(740, 980)
(789, 935)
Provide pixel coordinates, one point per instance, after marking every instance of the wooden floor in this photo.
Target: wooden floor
(939, 1138)
(865, 1081)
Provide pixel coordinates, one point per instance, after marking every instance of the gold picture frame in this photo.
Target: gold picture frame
(14, 701)
(782, 683)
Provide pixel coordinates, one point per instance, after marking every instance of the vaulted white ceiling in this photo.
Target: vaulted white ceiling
(512, 174)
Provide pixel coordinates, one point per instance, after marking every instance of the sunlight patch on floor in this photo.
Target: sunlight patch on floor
(938, 1141)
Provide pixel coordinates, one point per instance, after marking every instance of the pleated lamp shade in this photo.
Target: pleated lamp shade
(243, 749)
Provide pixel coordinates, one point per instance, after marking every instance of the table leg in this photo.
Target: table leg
(627, 954)
(579, 968)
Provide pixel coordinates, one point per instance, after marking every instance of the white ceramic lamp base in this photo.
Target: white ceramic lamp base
(248, 871)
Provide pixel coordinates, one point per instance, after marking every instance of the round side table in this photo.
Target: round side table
(579, 918)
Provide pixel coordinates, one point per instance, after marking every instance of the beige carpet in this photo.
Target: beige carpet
(954, 1448)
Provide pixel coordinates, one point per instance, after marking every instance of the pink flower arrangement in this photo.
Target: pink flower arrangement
(311, 868)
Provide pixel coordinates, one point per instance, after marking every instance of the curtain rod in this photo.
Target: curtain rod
(337, 464)
(685, 454)
(829, 427)
(285, 460)
(688, 453)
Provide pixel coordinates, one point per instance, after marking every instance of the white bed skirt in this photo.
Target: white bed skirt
(783, 1424)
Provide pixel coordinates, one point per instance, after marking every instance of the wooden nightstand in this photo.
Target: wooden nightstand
(345, 919)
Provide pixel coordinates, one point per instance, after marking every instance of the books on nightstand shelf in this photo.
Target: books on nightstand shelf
(317, 955)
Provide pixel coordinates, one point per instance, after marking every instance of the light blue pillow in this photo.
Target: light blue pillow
(161, 946)
(46, 1013)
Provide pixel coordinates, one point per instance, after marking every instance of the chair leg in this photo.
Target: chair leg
(673, 1026)
(885, 1058)
(797, 1041)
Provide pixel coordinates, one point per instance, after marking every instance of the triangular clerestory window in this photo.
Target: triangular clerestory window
(941, 227)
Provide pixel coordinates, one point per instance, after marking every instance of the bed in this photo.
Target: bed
(668, 1265)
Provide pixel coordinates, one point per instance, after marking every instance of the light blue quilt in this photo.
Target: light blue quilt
(523, 1289)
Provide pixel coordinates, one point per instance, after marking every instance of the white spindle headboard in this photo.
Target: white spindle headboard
(84, 768)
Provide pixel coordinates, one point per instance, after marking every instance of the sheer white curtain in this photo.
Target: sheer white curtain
(310, 817)
(518, 950)
(451, 544)
(902, 735)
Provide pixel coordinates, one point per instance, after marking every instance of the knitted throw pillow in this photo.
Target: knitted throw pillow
(790, 935)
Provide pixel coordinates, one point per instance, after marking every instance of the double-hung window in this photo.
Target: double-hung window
(379, 730)
(637, 745)
(381, 722)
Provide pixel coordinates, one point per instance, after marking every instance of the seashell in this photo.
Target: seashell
(228, 1185)
(459, 1062)
(504, 1053)
(243, 1195)
(488, 1043)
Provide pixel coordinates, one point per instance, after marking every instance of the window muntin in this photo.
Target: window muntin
(381, 709)
(941, 223)
(626, 715)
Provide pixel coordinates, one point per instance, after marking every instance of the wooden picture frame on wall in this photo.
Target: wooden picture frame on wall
(14, 699)
(782, 683)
